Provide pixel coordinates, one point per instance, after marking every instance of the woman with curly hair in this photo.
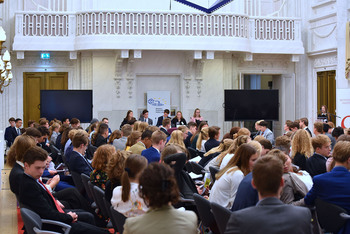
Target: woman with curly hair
(126, 199)
(100, 160)
(115, 169)
(301, 148)
(159, 190)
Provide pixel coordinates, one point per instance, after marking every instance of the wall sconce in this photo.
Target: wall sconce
(5, 64)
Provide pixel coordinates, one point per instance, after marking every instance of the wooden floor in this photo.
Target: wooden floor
(8, 203)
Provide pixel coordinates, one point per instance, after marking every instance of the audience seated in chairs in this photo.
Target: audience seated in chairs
(143, 144)
(115, 169)
(77, 161)
(270, 215)
(99, 137)
(35, 196)
(133, 138)
(99, 162)
(159, 190)
(228, 179)
(333, 187)
(126, 199)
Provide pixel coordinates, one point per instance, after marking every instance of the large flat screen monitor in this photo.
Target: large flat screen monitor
(245, 105)
(61, 104)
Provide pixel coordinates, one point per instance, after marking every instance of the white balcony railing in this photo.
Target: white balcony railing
(161, 30)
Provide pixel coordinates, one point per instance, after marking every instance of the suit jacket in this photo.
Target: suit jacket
(137, 148)
(268, 134)
(149, 120)
(78, 164)
(211, 143)
(120, 143)
(163, 220)
(151, 154)
(316, 165)
(15, 178)
(308, 130)
(271, 216)
(332, 187)
(35, 197)
(160, 120)
(246, 195)
(165, 131)
(10, 135)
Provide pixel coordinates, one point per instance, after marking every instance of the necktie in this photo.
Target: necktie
(54, 200)
(18, 132)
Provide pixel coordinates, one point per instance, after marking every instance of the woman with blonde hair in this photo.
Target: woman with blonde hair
(136, 126)
(142, 127)
(176, 137)
(301, 148)
(126, 198)
(202, 138)
(228, 179)
(54, 128)
(115, 169)
(225, 158)
(242, 132)
(132, 139)
(100, 160)
(214, 154)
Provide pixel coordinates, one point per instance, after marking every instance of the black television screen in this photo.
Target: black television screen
(61, 104)
(244, 105)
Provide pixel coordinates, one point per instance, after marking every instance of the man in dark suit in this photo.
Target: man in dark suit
(166, 124)
(192, 126)
(34, 195)
(164, 116)
(316, 164)
(270, 215)
(10, 132)
(214, 134)
(333, 186)
(304, 123)
(144, 117)
(158, 142)
(77, 162)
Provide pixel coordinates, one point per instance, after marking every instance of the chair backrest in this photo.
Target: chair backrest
(213, 171)
(328, 216)
(193, 152)
(99, 195)
(85, 179)
(78, 182)
(221, 215)
(196, 168)
(30, 220)
(205, 214)
(118, 219)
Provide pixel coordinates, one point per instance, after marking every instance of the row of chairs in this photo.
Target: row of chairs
(331, 218)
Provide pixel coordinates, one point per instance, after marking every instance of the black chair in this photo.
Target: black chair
(213, 171)
(85, 179)
(99, 195)
(200, 153)
(33, 223)
(197, 169)
(205, 214)
(117, 219)
(55, 154)
(193, 152)
(221, 215)
(331, 217)
(78, 183)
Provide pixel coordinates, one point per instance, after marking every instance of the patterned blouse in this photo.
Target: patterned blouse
(99, 178)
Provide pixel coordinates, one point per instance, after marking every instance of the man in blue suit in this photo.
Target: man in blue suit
(158, 142)
(77, 160)
(10, 132)
(333, 186)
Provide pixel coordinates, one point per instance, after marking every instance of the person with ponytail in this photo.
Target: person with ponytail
(126, 198)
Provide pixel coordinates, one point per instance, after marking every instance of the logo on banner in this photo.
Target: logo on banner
(154, 102)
